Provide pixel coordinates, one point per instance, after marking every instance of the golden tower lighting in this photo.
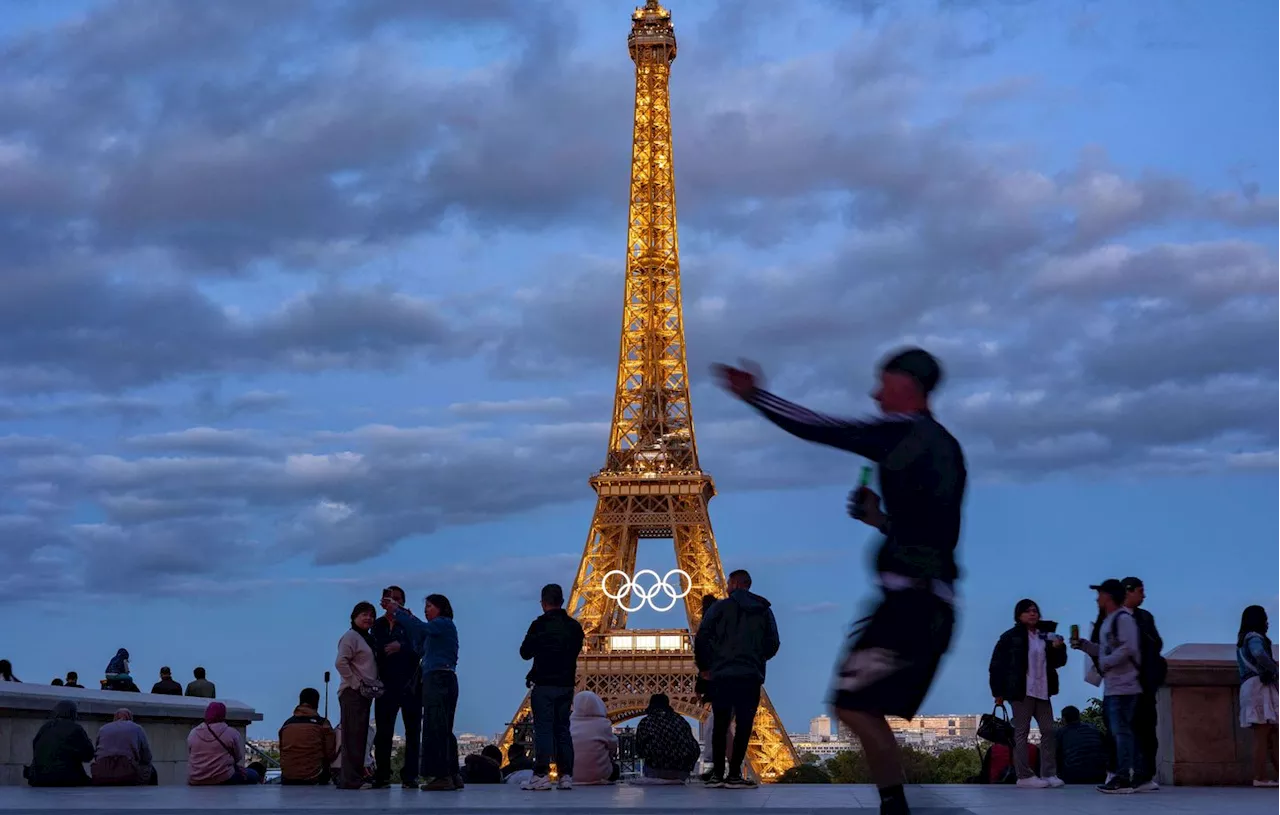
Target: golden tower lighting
(651, 485)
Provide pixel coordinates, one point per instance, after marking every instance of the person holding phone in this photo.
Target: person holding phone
(1024, 672)
(397, 661)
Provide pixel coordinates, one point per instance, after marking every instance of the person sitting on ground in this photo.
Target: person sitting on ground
(122, 756)
(307, 743)
(484, 767)
(57, 682)
(73, 680)
(519, 766)
(167, 686)
(6, 672)
(215, 751)
(595, 747)
(60, 750)
(1081, 750)
(201, 687)
(665, 742)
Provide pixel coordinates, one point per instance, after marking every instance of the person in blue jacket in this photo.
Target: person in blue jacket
(437, 640)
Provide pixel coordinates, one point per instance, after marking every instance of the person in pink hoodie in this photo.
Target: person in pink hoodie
(595, 747)
(215, 751)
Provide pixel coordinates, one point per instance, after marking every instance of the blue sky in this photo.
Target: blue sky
(301, 300)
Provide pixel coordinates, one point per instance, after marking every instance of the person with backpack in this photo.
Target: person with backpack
(1152, 670)
(1258, 692)
(1024, 672)
(1118, 655)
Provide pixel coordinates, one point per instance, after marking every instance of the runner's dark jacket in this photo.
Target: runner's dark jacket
(553, 642)
(922, 479)
(737, 637)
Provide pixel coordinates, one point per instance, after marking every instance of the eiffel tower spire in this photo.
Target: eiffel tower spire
(651, 485)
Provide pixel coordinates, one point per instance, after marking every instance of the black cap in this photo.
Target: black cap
(916, 363)
(1110, 586)
(1131, 583)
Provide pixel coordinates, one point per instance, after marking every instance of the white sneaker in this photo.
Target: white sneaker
(1033, 783)
(1055, 781)
(565, 782)
(537, 784)
(1257, 783)
(1109, 777)
(1150, 786)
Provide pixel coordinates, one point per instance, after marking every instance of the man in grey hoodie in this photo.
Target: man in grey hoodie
(1118, 655)
(737, 636)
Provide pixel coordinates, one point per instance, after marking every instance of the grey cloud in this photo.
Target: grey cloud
(204, 440)
(87, 332)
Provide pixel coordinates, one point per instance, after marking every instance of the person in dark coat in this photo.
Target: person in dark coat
(60, 750)
(1081, 750)
(1024, 672)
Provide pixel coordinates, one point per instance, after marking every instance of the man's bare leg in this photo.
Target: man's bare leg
(883, 757)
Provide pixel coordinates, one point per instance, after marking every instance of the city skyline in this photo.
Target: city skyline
(317, 303)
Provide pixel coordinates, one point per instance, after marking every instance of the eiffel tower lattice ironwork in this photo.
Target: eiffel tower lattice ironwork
(651, 485)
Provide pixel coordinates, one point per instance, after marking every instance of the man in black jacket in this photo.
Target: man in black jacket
(398, 669)
(553, 642)
(890, 661)
(1081, 749)
(1151, 672)
(738, 635)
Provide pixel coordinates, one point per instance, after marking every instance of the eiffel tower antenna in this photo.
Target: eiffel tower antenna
(651, 485)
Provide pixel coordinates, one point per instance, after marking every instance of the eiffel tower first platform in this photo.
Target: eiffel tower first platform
(651, 486)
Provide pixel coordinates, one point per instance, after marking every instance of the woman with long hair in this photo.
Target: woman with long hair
(1258, 703)
(1024, 672)
(437, 641)
(356, 692)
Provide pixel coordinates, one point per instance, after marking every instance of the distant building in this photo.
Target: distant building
(471, 743)
(820, 727)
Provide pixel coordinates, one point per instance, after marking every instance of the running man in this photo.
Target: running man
(893, 654)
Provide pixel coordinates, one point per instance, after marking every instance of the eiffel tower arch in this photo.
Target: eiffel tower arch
(651, 486)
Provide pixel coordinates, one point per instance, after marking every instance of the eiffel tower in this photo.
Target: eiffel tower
(651, 486)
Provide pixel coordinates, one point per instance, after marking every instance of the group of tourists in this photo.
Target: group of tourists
(120, 755)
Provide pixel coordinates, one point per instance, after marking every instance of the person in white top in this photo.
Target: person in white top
(1024, 672)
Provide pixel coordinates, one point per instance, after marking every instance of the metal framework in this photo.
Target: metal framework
(651, 485)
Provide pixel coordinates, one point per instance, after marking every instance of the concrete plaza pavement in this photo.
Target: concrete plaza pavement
(816, 799)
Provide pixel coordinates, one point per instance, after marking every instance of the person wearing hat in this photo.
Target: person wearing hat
(1118, 655)
(1151, 676)
(888, 667)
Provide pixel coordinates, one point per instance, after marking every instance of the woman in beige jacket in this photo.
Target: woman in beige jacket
(359, 674)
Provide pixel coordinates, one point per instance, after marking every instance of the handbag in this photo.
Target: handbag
(996, 729)
(371, 688)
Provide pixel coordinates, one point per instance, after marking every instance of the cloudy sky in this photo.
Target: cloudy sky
(298, 299)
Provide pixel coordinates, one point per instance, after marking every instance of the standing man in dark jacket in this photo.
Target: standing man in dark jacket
(1151, 675)
(398, 669)
(553, 642)
(735, 640)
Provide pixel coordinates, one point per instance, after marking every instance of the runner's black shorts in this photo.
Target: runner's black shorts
(892, 656)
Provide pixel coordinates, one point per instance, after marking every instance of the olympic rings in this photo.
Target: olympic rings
(631, 588)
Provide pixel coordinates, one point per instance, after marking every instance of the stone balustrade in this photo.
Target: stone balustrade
(1201, 741)
(167, 719)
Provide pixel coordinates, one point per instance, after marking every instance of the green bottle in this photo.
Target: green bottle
(855, 500)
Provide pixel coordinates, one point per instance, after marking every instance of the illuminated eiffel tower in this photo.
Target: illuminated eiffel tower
(651, 486)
